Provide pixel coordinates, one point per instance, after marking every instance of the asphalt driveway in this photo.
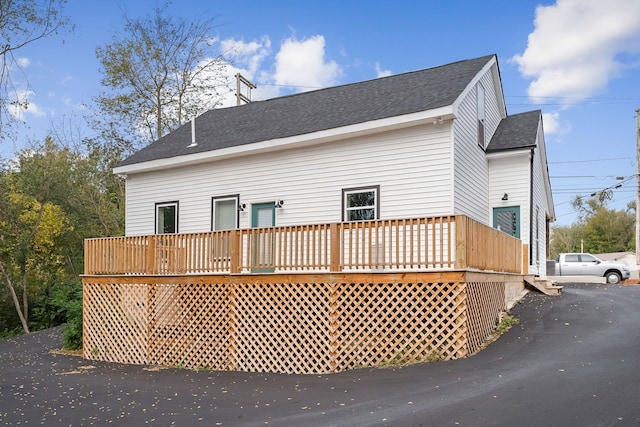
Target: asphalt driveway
(573, 360)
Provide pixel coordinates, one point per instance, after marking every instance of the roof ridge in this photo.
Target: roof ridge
(318, 110)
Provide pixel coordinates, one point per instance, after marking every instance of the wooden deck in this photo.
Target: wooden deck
(416, 244)
(299, 299)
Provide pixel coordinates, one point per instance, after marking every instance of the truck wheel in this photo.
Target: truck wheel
(613, 278)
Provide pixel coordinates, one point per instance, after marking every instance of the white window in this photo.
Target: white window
(225, 212)
(481, 106)
(360, 204)
(166, 218)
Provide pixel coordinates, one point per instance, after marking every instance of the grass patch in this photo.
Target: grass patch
(505, 324)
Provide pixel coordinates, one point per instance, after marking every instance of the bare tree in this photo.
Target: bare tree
(159, 73)
(23, 22)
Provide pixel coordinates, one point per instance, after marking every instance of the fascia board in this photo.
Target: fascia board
(510, 153)
(487, 67)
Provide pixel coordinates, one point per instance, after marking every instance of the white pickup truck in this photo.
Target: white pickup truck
(581, 264)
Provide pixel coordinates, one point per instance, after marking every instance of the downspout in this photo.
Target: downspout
(533, 150)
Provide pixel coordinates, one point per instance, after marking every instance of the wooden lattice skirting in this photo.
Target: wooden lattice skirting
(293, 323)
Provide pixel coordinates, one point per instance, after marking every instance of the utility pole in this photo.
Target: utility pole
(638, 186)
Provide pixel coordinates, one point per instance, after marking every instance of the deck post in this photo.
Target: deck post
(335, 248)
(333, 328)
(235, 251)
(151, 255)
(89, 257)
(525, 259)
(461, 242)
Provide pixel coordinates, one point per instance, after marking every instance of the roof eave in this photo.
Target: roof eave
(329, 135)
(504, 152)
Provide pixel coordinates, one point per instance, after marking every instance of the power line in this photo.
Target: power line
(589, 161)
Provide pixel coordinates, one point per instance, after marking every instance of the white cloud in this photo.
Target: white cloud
(247, 58)
(66, 100)
(17, 109)
(553, 124)
(23, 62)
(382, 73)
(302, 64)
(298, 65)
(577, 47)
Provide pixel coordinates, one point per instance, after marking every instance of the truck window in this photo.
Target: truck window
(588, 258)
(571, 258)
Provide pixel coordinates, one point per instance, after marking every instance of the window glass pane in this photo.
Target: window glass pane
(226, 213)
(167, 220)
(507, 222)
(360, 205)
(361, 214)
(367, 198)
(265, 217)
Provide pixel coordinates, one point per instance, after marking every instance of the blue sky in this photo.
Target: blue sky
(576, 60)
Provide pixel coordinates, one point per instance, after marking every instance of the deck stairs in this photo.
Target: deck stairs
(544, 285)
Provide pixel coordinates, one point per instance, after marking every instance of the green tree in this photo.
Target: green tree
(565, 239)
(598, 229)
(609, 230)
(23, 22)
(51, 198)
(28, 254)
(159, 73)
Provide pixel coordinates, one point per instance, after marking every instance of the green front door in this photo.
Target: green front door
(263, 215)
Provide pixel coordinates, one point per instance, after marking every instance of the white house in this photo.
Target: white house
(351, 226)
(426, 143)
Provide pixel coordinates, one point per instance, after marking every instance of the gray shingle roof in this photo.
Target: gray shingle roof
(317, 110)
(516, 131)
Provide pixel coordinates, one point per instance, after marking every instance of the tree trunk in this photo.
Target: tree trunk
(16, 303)
(25, 301)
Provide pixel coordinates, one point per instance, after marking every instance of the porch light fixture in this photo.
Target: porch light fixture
(505, 197)
(242, 207)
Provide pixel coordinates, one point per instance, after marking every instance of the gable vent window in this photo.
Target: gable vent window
(361, 204)
(480, 109)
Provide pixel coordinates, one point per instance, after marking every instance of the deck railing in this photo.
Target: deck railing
(434, 243)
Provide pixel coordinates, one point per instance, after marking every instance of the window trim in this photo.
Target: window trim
(166, 204)
(215, 199)
(376, 207)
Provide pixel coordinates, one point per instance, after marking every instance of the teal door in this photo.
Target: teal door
(263, 215)
(507, 220)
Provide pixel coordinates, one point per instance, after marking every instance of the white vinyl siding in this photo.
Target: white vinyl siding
(411, 166)
(540, 201)
(471, 176)
(510, 174)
